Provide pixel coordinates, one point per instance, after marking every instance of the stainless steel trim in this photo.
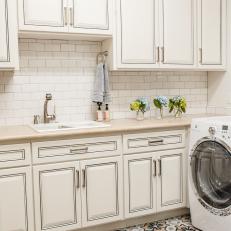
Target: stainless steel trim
(226, 146)
(158, 54)
(160, 167)
(162, 50)
(200, 55)
(77, 179)
(84, 178)
(79, 150)
(65, 16)
(71, 16)
(154, 167)
(155, 142)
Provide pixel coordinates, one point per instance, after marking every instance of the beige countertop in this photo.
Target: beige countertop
(26, 133)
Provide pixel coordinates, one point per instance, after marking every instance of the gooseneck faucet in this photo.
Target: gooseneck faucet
(47, 117)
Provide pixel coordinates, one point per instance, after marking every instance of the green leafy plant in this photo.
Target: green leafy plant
(140, 104)
(160, 101)
(178, 104)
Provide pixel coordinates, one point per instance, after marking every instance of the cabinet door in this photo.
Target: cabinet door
(91, 16)
(16, 204)
(212, 16)
(8, 32)
(139, 185)
(43, 15)
(101, 191)
(137, 34)
(171, 182)
(177, 33)
(57, 197)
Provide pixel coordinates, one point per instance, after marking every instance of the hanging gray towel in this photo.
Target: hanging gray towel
(101, 86)
(107, 95)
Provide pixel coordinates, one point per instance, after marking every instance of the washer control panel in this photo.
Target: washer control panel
(225, 132)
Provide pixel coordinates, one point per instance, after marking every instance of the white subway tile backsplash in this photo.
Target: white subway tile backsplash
(67, 69)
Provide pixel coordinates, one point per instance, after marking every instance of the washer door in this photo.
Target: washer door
(211, 175)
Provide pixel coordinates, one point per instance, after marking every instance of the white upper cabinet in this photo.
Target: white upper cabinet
(211, 33)
(168, 34)
(91, 16)
(71, 16)
(43, 15)
(16, 204)
(101, 191)
(9, 37)
(177, 33)
(137, 33)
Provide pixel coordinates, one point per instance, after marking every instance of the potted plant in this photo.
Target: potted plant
(140, 105)
(160, 102)
(177, 104)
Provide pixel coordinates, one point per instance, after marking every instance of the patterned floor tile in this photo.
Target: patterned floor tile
(182, 223)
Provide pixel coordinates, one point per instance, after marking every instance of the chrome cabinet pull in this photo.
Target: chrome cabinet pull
(84, 178)
(200, 55)
(155, 142)
(77, 179)
(154, 166)
(71, 16)
(158, 54)
(65, 16)
(79, 150)
(160, 167)
(162, 49)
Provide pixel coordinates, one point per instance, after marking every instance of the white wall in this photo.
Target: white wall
(67, 69)
(219, 83)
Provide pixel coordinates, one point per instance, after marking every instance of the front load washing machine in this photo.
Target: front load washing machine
(210, 173)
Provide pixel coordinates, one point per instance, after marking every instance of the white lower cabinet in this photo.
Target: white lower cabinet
(57, 197)
(171, 180)
(140, 184)
(65, 191)
(16, 204)
(154, 182)
(101, 191)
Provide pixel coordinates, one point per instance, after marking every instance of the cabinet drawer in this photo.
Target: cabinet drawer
(14, 155)
(62, 150)
(134, 143)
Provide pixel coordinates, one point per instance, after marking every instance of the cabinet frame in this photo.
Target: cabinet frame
(25, 172)
(12, 60)
(68, 25)
(223, 34)
(127, 185)
(117, 161)
(38, 171)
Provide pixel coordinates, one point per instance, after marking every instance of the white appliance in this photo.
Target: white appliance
(210, 173)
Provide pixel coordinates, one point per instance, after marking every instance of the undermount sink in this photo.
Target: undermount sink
(68, 126)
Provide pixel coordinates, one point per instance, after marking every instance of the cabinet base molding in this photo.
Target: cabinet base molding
(138, 220)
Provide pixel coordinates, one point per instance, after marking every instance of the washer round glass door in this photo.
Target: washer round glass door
(211, 175)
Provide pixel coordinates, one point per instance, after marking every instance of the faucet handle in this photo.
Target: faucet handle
(37, 119)
(48, 96)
